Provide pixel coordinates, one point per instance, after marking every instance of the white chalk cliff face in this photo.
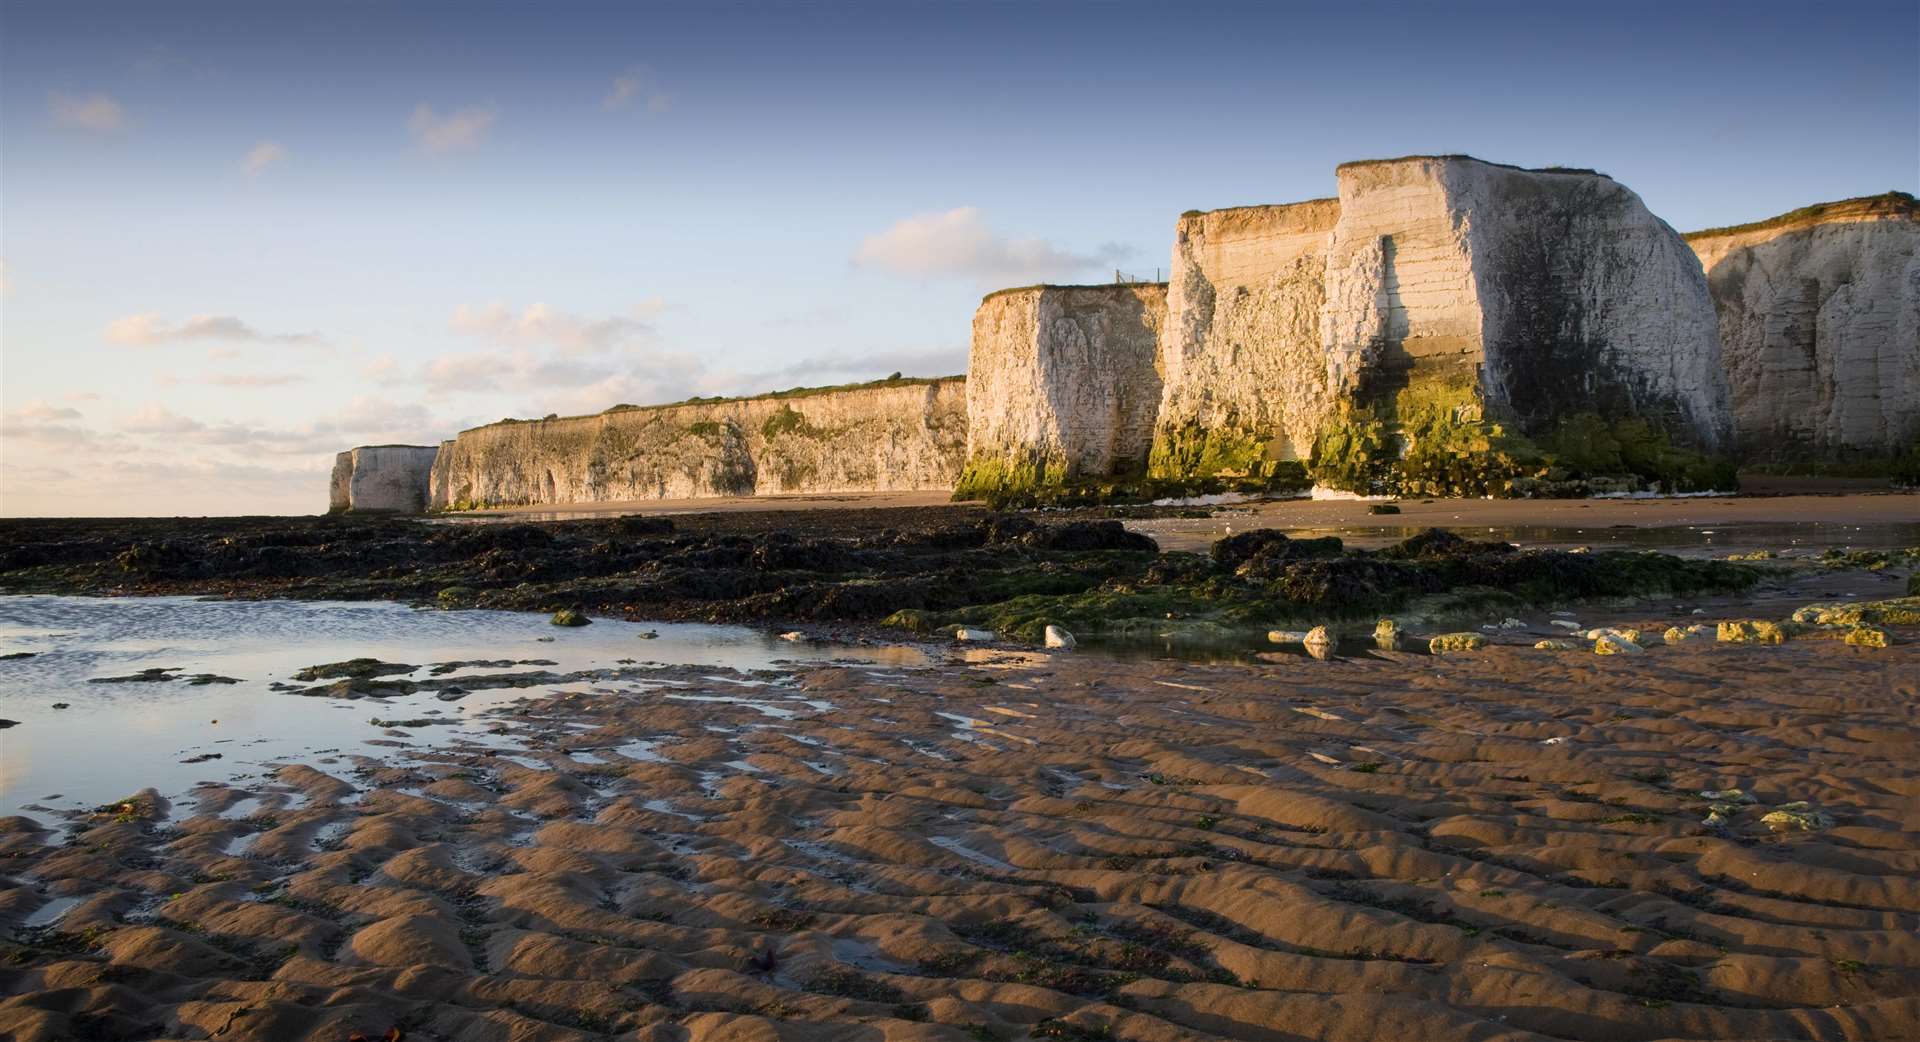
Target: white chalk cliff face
(1548, 293)
(1241, 353)
(1820, 325)
(1433, 286)
(894, 436)
(381, 479)
(1061, 380)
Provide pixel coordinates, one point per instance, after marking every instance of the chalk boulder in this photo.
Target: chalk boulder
(1819, 313)
(391, 479)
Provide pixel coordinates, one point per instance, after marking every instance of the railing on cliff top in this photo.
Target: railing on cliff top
(1121, 278)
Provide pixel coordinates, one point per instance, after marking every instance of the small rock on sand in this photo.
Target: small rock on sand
(1059, 638)
(1796, 817)
(1556, 644)
(1287, 636)
(1386, 634)
(1869, 637)
(1611, 644)
(1678, 634)
(964, 633)
(570, 617)
(1446, 642)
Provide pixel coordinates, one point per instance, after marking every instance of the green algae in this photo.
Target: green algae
(1262, 584)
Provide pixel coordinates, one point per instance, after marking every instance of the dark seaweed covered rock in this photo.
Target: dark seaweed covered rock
(1264, 552)
(1088, 535)
(1440, 543)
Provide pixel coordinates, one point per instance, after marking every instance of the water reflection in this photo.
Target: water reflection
(115, 738)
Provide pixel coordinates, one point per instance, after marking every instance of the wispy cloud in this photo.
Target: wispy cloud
(637, 84)
(96, 112)
(540, 325)
(958, 243)
(154, 418)
(457, 131)
(262, 156)
(255, 379)
(146, 330)
(41, 411)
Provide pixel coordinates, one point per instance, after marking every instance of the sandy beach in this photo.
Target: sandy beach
(1506, 845)
(935, 840)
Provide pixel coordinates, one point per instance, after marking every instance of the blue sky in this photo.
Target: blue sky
(239, 237)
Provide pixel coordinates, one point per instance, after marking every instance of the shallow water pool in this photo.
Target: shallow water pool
(116, 738)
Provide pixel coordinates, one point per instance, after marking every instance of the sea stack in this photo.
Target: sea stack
(1820, 325)
(1245, 375)
(381, 479)
(1061, 384)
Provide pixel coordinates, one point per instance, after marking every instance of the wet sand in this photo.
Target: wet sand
(1497, 846)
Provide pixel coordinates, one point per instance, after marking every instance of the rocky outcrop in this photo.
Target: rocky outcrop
(1061, 384)
(1245, 374)
(1820, 326)
(381, 479)
(892, 435)
(1446, 326)
(1543, 293)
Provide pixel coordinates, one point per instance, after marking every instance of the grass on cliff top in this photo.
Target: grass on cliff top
(1886, 204)
(1476, 159)
(896, 380)
(1070, 285)
(1260, 206)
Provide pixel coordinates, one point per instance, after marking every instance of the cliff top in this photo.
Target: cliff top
(896, 380)
(1258, 207)
(1474, 159)
(1063, 285)
(1887, 205)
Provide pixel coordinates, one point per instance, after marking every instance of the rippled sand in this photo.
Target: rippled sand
(1497, 846)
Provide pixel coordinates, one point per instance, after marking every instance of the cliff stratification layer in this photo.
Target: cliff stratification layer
(894, 435)
(1820, 325)
(381, 479)
(1061, 384)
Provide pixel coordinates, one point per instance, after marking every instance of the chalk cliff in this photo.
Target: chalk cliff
(1245, 374)
(1547, 293)
(1820, 325)
(892, 435)
(381, 479)
(1444, 326)
(1061, 384)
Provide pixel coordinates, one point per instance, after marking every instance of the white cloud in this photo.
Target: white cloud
(262, 156)
(146, 330)
(255, 379)
(959, 243)
(41, 411)
(637, 84)
(540, 325)
(96, 112)
(456, 131)
(154, 418)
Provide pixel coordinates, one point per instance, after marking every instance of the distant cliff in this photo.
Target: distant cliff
(1820, 325)
(891, 435)
(381, 479)
(1061, 385)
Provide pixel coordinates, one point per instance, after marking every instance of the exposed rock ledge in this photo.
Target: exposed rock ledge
(891, 435)
(1820, 326)
(381, 479)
